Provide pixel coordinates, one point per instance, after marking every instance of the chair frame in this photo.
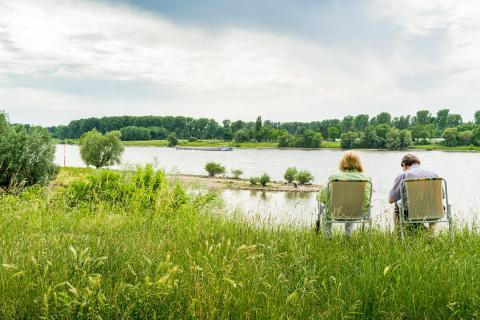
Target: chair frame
(447, 211)
(366, 219)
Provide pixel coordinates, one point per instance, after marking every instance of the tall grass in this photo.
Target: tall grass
(111, 260)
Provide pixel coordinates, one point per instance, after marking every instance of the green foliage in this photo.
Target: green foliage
(172, 139)
(405, 139)
(144, 189)
(393, 140)
(264, 179)
(450, 136)
(101, 150)
(26, 156)
(290, 174)
(254, 181)
(285, 140)
(135, 133)
(309, 139)
(304, 177)
(64, 262)
(237, 173)
(241, 135)
(465, 137)
(214, 169)
(348, 140)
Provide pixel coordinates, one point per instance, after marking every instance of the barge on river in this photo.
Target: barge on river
(206, 148)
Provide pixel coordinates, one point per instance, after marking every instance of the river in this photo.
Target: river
(460, 169)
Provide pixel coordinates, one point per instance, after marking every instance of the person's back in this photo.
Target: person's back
(411, 170)
(350, 169)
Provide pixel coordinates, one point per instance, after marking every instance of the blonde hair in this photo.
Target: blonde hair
(350, 161)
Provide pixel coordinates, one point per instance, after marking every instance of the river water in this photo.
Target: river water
(460, 169)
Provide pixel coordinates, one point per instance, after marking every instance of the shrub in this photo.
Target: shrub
(172, 139)
(237, 173)
(264, 179)
(254, 181)
(214, 169)
(26, 155)
(101, 150)
(144, 189)
(304, 177)
(290, 174)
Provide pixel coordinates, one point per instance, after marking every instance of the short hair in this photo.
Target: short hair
(350, 161)
(410, 159)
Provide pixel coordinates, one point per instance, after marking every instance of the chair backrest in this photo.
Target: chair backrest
(346, 199)
(424, 198)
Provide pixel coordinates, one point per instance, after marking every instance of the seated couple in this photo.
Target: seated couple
(351, 169)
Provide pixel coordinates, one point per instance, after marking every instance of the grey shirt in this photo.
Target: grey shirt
(414, 172)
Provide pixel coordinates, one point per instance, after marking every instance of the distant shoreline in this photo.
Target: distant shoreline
(326, 145)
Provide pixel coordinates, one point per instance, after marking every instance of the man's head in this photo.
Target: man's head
(409, 160)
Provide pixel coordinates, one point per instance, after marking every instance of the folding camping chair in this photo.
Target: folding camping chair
(345, 203)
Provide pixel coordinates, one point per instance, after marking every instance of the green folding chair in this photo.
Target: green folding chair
(426, 202)
(345, 203)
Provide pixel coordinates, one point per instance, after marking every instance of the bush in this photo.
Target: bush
(304, 177)
(26, 155)
(290, 174)
(172, 139)
(237, 173)
(264, 179)
(101, 150)
(214, 169)
(254, 181)
(144, 189)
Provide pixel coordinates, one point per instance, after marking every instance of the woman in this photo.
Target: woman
(350, 169)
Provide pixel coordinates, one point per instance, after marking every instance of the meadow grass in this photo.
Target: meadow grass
(107, 260)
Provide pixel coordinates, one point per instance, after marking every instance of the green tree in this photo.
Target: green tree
(476, 137)
(26, 155)
(348, 124)
(172, 139)
(214, 169)
(405, 139)
(393, 141)
(402, 122)
(309, 139)
(477, 117)
(369, 138)
(360, 122)
(333, 133)
(304, 177)
(264, 179)
(423, 117)
(384, 118)
(237, 173)
(285, 140)
(454, 120)
(465, 137)
(258, 124)
(242, 135)
(290, 174)
(442, 119)
(101, 150)
(348, 140)
(450, 136)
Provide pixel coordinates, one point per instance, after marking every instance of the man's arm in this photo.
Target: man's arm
(394, 195)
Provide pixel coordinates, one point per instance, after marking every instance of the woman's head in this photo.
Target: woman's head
(350, 162)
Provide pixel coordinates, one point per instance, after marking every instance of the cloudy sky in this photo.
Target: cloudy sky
(288, 60)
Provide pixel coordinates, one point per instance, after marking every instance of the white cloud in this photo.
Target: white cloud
(234, 73)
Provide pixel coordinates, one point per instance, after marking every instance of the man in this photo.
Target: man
(411, 170)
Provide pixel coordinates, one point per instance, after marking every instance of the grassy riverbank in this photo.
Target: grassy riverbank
(445, 148)
(111, 259)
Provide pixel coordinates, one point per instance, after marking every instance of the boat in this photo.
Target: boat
(225, 148)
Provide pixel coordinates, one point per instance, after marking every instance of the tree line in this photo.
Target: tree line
(361, 131)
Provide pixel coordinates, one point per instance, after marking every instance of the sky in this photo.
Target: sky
(284, 60)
